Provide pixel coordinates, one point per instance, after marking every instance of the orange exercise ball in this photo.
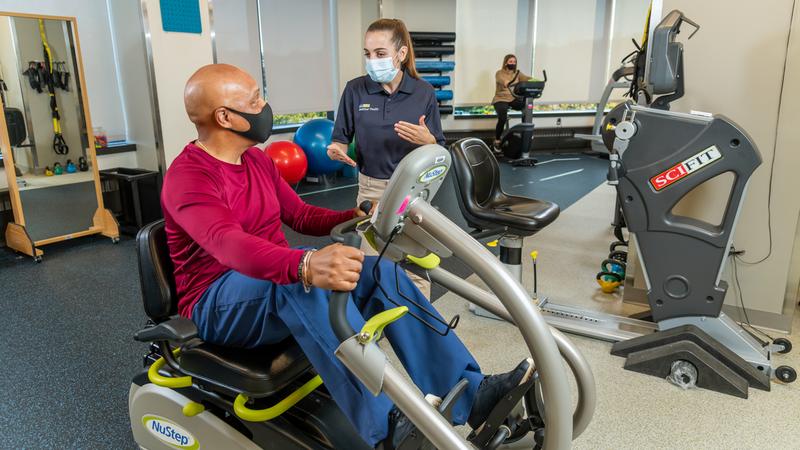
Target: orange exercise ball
(290, 160)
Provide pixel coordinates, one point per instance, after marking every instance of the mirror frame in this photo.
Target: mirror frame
(103, 221)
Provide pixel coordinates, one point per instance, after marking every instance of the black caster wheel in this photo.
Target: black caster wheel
(37, 259)
(114, 240)
(785, 374)
(785, 343)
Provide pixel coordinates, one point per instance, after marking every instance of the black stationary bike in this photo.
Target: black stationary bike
(515, 143)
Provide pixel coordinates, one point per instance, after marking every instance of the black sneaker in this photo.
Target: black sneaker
(400, 427)
(493, 388)
(496, 147)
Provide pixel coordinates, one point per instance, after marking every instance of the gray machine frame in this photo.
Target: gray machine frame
(406, 224)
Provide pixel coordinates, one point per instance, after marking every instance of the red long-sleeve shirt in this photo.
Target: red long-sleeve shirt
(222, 216)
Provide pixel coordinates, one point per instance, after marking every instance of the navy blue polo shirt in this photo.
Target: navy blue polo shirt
(368, 112)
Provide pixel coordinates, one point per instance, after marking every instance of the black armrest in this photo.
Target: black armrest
(176, 329)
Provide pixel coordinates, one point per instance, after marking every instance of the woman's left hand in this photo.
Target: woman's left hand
(416, 134)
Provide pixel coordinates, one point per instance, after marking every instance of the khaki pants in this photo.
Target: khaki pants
(372, 189)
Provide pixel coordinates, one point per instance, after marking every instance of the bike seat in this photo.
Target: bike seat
(257, 372)
(482, 200)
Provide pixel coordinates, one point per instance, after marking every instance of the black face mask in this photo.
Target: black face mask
(511, 66)
(260, 124)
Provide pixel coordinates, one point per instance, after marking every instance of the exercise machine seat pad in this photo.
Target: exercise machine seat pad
(156, 273)
(482, 200)
(256, 372)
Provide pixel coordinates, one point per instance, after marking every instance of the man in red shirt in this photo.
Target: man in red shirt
(237, 278)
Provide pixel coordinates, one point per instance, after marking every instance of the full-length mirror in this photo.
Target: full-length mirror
(48, 147)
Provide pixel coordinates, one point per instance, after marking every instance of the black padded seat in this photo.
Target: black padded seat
(255, 372)
(484, 203)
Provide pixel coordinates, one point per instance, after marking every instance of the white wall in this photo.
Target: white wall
(127, 159)
(298, 55)
(129, 49)
(236, 35)
(97, 51)
(629, 19)
(481, 45)
(353, 17)
(176, 56)
(567, 36)
(422, 15)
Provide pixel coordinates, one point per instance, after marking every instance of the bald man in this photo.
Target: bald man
(243, 285)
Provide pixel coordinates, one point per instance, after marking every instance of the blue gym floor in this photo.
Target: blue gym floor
(67, 352)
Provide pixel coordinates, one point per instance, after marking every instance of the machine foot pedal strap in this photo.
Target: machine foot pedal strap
(416, 440)
(501, 411)
(711, 373)
(755, 378)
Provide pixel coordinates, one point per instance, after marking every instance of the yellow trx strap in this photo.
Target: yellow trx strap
(46, 45)
(647, 26)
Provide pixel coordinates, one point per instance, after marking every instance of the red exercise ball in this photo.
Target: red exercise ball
(290, 160)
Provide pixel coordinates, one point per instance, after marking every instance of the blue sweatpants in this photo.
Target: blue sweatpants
(240, 311)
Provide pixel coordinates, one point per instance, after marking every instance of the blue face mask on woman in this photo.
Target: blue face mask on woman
(381, 70)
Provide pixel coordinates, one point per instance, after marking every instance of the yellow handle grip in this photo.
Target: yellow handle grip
(169, 382)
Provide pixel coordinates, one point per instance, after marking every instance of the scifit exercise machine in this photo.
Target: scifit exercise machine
(515, 143)
(657, 157)
(192, 394)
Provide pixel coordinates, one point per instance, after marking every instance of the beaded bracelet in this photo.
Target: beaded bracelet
(303, 269)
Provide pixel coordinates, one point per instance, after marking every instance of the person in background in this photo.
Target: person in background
(391, 110)
(503, 100)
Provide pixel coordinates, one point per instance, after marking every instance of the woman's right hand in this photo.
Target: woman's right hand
(338, 152)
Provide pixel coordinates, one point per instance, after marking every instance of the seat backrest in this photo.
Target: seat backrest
(477, 177)
(156, 274)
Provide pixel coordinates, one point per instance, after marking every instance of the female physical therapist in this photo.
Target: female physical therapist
(390, 110)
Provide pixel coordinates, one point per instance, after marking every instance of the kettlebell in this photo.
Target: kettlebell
(58, 169)
(71, 166)
(83, 166)
(608, 281)
(48, 172)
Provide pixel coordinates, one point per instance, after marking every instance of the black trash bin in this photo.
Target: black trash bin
(133, 195)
